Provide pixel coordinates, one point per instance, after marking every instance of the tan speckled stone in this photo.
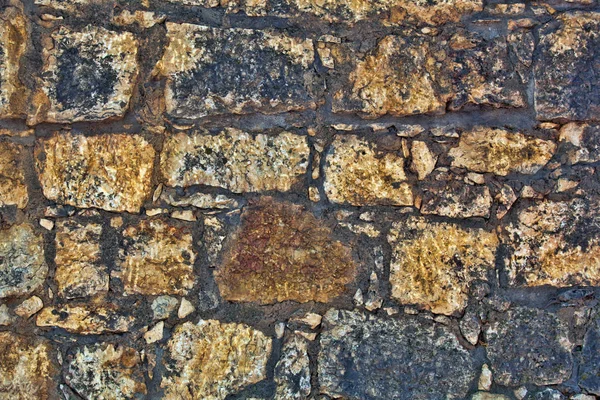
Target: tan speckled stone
(85, 319)
(112, 172)
(13, 190)
(433, 264)
(14, 36)
(357, 173)
(457, 200)
(211, 360)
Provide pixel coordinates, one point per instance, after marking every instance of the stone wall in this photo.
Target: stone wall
(293, 199)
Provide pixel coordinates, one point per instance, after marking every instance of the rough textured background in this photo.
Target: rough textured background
(299, 199)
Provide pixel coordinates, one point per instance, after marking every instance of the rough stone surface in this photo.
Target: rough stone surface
(29, 307)
(583, 142)
(105, 371)
(457, 200)
(111, 172)
(79, 271)
(85, 319)
(433, 264)
(235, 160)
(292, 371)
(14, 37)
(214, 71)
(156, 258)
(567, 73)
(23, 268)
(13, 190)
(358, 353)
(501, 152)
(357, 173)
(528, 346)
(214, 359)
(589, 369)
(282, 252)
(88, 75)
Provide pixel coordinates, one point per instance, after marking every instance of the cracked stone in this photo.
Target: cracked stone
(292, 371)
(14, 36)
(86, 319)
(13, 189)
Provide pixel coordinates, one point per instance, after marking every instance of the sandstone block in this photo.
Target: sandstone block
(13, 190)
(14, 37)
(86, 319)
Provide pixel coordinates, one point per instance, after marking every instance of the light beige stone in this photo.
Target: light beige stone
(29, 307)
(185, 308)
(85, 319)
(155, 334)
(423, 160)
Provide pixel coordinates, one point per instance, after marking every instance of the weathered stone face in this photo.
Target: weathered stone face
(235, 160)
(86, 319)
(567, 73)
(215, 71)
(211, 360)
(112, 172)
(106, 371)
(528, 346)
(589, 369)
(358, 174)
(22, 264)
(88, 75)
(13, 190)
(292, 372)
(14, 36)
(156, 258)
(364, 356)
(27, 368)
(457, 200)
(282, 252)
(433, 264)
(583, 142)
(554, 243)
(79, 271)
(501, 152)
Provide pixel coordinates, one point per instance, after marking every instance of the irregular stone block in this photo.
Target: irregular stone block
(457, 200)
(584, 141)
(22, 265)
(218, 71)
(433, 264)
(528, 346)
(105, 371)
(357, 173)
(235, 160)
(567, 71)
(212, 360)
(589, 369)
(554, 243)
(85, 319)
(363, 356)
(501, 152)
(13, 190)
(282, 252)
(27, 368)
(88, 75)
(14, 37)
(156, 258)
(292, 371)
(112, 172)
(79, 271)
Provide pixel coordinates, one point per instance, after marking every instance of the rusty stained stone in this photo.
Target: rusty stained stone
(13, 189)
(215, 71)
(27, 369)
(14, 37)
(357, 173)
(88, 75)
(567, 72)
(212, 359)
(433, 264)
(86, 319)
(282, 252)
(23, 268)
(112, 171)
(235, 160)
(455, 199)
(156, 258)
(554, 243)
(105, 371)
(501, 152)
(79, 271)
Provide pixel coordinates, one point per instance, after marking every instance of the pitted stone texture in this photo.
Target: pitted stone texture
(217, 71)
(22, 265)
(156, 258)
(501, 152)
(13, 190)
(457, 200)
(14, 36)
(583, 142)
(528, 346)
(112, 172)
(357, 173)
(105, 371)
(364, 356)
(235, 160)
(86, 319)
(292, 372)
(79, 271)
(567, 72)
(433, 264)
(282, 252)
(589, 369)
(212, 359)
(88, 75)
(27, 369)
(554, 243)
